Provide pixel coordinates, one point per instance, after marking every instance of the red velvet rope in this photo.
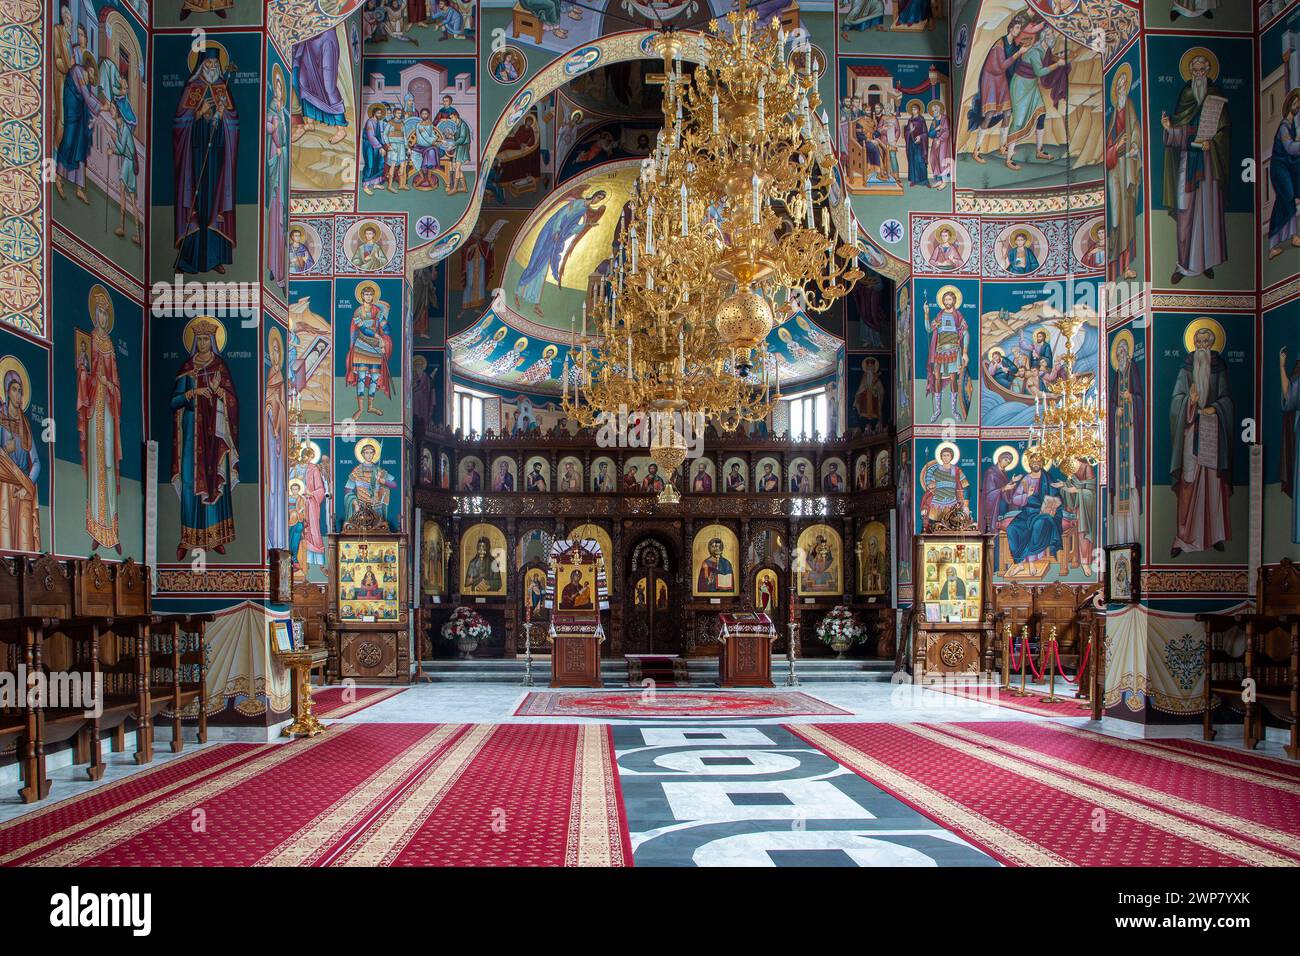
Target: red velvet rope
(1015, 661)
(1083, 662)
(1038, 675)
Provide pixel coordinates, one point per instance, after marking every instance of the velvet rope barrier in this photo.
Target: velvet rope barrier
(1083, 663)
(1038, 675)
(1016, 661)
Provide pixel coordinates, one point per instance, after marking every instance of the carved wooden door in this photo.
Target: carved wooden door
(650, 619)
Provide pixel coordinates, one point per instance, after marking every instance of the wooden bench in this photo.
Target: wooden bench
(178, 672)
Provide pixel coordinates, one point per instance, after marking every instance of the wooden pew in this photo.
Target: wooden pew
(68, 645)
(311, 606)
(20, 724)
(1278, 659)
(178, 671)
(1231, 645)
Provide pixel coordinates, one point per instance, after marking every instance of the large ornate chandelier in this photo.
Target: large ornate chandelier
(1067, 418)
(721, 240)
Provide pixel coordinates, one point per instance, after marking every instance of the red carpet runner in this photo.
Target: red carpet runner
(328, 703)
(1063, 797)
(995, 696)
(360, 794)
(635, 703)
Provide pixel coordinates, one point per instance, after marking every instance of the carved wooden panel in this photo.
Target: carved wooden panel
(369, 655)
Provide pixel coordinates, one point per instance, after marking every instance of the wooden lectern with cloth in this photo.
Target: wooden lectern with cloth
(576, 593)
(746, 658)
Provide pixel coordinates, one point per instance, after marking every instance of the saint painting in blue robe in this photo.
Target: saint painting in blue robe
(556, 239)
(205, 146)
(80, 106)
(1034, 534)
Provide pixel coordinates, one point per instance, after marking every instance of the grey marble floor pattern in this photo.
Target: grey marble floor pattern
(710, 795)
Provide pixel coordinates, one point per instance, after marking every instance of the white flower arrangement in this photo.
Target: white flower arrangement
(466, 624)
(840, 627)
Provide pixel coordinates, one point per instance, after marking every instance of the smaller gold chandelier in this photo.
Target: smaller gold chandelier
(1067, 417)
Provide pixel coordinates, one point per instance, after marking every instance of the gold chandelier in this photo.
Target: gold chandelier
(721, 240)
(1067, 418)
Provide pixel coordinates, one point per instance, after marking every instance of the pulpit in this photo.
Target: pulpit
(746, 658)
(576, 593)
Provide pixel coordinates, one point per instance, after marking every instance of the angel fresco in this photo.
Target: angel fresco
(556, 240)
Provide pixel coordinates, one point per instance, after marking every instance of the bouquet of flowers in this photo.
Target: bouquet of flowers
(466, 626)
(840, 629)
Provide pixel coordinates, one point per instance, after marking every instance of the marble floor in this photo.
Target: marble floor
(717, 791)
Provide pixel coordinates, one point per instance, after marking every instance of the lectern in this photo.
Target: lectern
(576, 594)
(746, 659)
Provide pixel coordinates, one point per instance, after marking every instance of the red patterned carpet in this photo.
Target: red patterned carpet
(360, 794)
(636, 703)
(331, 702)
(1042, 794)
(997, 697)
(1233, 755)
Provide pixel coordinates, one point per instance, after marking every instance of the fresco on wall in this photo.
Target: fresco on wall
(425, 26)
(477, 267)
(368, 349)
(99, 101)
(905, 499)
(275, 184)
(1023, 351)
(324, 111)
(869, 393)
(205, 399)
(1279, 148)
(420, 144)
(1127, 439)
(24, 445)
(426, 389)
(1043, 517)
(310, 344)
(562, 245)
(205, 196)
(946, 317)
(1125, 170)
(1199, 91)
(524, 166)
(97, 465)
(946, 479)
(895, 134)
(1200, 16)
(905, 371)
(208, 13)
(368, 471)
(893, 26)
(1022, 75)
(275, 436)
(369, 245)
(310, 490)
(945, 245)
(559, 26)
(1201, 387)
(429, 305)
(1280, 361)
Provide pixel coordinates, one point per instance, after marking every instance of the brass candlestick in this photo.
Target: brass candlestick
(305, 723)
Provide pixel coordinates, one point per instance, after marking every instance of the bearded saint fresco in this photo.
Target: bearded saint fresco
(1197, 138)
(205, 148)
(1201, 433)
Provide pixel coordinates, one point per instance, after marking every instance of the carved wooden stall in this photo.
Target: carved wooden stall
(368, 619)
(1259, 651)
(739, 490)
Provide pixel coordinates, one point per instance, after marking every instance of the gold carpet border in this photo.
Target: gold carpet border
(1186, 829)
(133, 777)
(1258, 831)
(310, 842)
(347, 710)
(98, 842)
(595, 831)
(1224, 756)
(1236, 771)
(51, 838)
(1005, 842)
(386, 837)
